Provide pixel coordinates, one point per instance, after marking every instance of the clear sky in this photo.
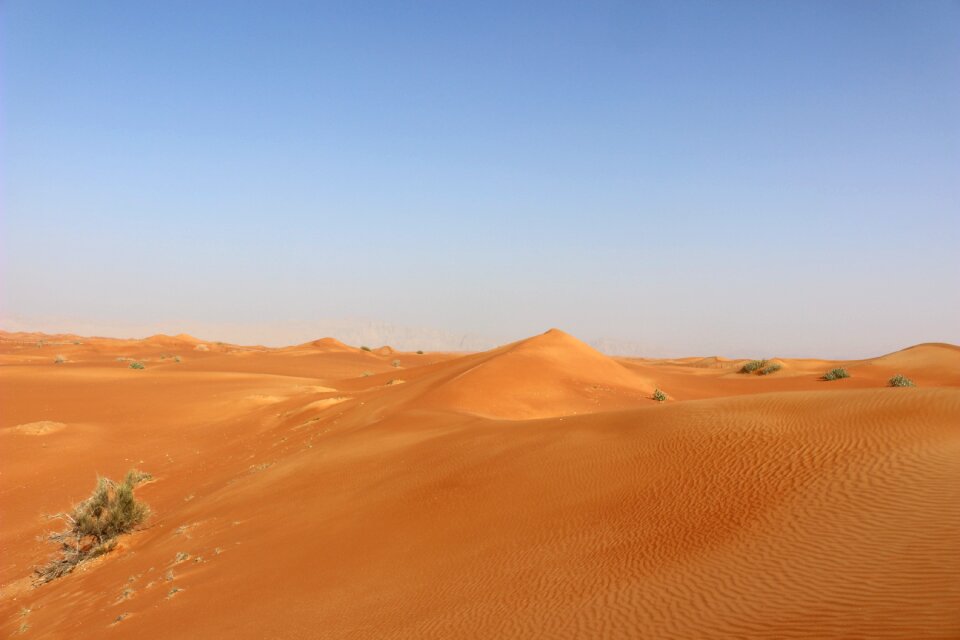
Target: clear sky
(739, 178)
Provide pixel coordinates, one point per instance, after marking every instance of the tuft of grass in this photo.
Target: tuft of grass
(177, 359)
(137, 365)
(770, 368)
(753, 365)
(836, 374)
(94, 524)
(365, 348)
(901, 380)
(59, 360)
(659, 395)
(419, 352)
(395, 364)
(135, 477)
(367, 374)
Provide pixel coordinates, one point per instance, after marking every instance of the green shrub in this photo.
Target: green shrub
(365, 348)
(659, 395)
(94, 524)
(836, 374)
(137, 365)
(901, 380)
(770, 368)
(752, 366)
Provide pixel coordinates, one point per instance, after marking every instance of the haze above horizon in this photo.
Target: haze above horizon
(702, 178)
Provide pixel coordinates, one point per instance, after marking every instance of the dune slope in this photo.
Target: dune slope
(329, 507)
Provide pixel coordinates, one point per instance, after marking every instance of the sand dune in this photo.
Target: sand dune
(552, 374)
(533, 490)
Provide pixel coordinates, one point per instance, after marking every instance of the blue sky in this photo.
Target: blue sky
(770, 178)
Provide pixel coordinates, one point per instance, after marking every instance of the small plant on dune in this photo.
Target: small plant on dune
(753, 365)
(659, 395)
(419, 353)
(94, 524)
(59, 360)
(770, 368)
(395, 363)
(137, 365)
(367, 374)
(901, 380)
(177, 359)
(365, 348)
(836, 374)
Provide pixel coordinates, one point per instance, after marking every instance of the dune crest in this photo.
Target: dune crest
(552, 374)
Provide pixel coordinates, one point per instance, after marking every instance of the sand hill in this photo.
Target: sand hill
(534, 490)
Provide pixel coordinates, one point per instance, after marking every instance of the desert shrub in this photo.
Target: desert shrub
(395, 363)
(770, 368)
(137, 365)
(365, 348)
(836, 374)
(94, 524)
(59, 360)
(177, 359)
(901, 380)
(367, 374)
(659, 395)
(419, 353)
(753, 365)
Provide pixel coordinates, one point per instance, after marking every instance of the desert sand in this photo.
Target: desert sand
(531, 491)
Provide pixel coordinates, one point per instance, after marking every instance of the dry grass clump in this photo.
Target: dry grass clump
(901, 380)
(753, 365)
(94, 524)
(836, 374)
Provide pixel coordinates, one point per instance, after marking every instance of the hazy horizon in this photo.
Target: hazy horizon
(778, 179)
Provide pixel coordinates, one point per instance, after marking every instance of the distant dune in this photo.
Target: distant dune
(533, 490)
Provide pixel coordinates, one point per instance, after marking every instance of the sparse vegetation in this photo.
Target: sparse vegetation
(901, 380)
(137, 365)
(659, 395)
(753, 365)
(177, 359)
(395, 363)
(419, 352)
(94, 524)
(364, 348)
(770, 368)
(367, 374)
(59, 360)
(836, 374)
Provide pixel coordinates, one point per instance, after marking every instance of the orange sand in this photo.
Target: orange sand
(534, 490)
